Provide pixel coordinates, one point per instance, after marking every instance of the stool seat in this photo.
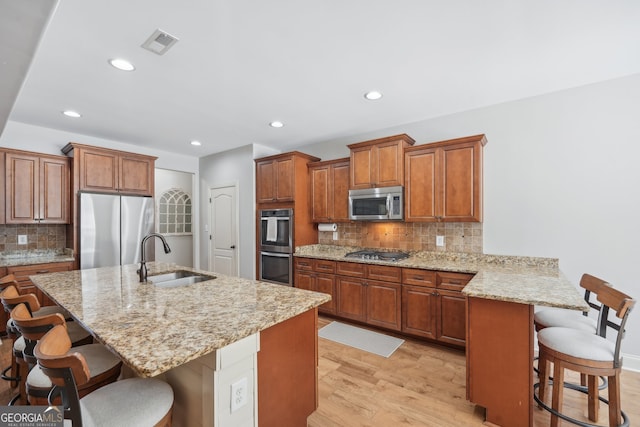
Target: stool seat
(579, 344)
(133, 402)
(550, 317)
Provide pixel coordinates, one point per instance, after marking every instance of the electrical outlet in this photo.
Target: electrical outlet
(238, 394)
(335, 235)
(439, 240)
(22, 239)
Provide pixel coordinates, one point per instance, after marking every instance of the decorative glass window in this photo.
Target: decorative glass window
(174, 208)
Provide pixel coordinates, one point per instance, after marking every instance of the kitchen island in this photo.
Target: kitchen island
(498, 318)
(205, 339)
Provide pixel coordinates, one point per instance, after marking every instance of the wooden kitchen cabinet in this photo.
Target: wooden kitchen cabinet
(329, 186)
(36, 188)
(379, 162)
(433, 305)
(352, 298)
(2, 189)
(317, 275)
(25, 285)
(443, 181)
(279, 176)
(110, 171)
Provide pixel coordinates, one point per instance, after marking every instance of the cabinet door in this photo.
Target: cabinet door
(461, 186)
(384, 305)
(22, 192)
(326, 284)
(54, 199)
(98, 171)
(303, 280)
(421, 193)
(419, 311)
(320, 193)
(351, 298)
(265, 181)
(285, 170)
(362, 164)
(340, 191)
(451, 317)
(388, 169)
(135, 175)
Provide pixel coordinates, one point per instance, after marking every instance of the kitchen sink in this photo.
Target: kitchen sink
(178, 278)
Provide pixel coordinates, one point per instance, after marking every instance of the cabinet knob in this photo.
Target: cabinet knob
(232, 247)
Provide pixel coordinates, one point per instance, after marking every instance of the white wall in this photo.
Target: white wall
(233, 167)
(561, 179)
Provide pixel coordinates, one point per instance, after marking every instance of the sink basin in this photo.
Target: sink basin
(178, 278)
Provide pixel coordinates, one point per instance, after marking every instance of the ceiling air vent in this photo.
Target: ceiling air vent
(159, 42)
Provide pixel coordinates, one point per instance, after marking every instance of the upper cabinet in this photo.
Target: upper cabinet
(280, 177)
(329, 190)
(443, 181)
(36, 188)
(111, 171)
(379, 162)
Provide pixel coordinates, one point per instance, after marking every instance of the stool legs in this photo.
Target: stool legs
(614, 399)
(557, 395)
(592, 399)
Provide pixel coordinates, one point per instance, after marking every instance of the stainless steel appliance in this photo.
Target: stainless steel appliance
(377, 204)
(378, 255)
(276, 246)
(112, 227)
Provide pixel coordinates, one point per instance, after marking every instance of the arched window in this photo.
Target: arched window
(174, 208)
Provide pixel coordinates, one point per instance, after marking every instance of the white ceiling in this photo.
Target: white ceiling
(240, 64)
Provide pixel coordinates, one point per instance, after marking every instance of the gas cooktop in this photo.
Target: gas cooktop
(378, 255)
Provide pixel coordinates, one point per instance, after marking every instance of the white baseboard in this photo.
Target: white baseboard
(631, 362)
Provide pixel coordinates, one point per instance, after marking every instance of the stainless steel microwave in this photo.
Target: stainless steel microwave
(377, 204)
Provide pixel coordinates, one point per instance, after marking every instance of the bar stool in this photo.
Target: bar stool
(105, 366)
(589, 354)
(133, 402)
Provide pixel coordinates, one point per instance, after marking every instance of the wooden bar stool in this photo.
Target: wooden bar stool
(131, 402)
(586, 353)
(105, 366)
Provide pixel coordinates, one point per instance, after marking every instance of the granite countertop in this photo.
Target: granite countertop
(19, 258)
(526, 280)
(154, 329)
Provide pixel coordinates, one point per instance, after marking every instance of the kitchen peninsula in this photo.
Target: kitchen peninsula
(496, 314)
(204, 339)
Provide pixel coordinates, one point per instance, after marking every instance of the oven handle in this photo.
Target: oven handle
(274, 254)
(278, 218)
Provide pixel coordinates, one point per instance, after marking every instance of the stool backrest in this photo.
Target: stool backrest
(66, 370)
(33, 328)
(621, 304)
(11, 297)
(9, 279)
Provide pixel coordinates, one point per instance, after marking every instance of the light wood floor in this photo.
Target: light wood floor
(419, 385)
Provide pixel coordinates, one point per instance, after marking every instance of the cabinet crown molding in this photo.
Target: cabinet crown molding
(74, 145)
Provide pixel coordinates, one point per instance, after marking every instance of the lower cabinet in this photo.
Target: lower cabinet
(422, 303)
(25, 285)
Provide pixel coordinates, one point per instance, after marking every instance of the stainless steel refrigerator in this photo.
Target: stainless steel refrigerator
(112, 227)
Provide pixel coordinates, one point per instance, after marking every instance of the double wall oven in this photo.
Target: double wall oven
(276, 246)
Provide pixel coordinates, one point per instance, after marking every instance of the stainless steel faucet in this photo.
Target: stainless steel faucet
(143, 261)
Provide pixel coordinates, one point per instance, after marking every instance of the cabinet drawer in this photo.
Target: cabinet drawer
(418, 277)
(384, 273)
(353, 269)
(453, 281)
(324, 266)
(304, 264)
(23, 272)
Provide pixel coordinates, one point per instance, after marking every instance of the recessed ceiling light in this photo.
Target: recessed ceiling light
(71, 113)
(276, 124)
(122, 64)
(196, 143)
(373, 95)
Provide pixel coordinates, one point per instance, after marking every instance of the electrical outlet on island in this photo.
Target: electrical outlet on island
(439, 240)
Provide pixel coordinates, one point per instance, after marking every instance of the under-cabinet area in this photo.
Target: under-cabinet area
(418, 302)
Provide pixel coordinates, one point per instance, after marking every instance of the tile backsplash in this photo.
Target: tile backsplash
(458, 236)
(49, 236)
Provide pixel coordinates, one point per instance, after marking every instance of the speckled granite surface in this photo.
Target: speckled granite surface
(524, 280)
(155, 329)
(12, 259)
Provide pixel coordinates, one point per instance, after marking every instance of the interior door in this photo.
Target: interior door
(223, 246)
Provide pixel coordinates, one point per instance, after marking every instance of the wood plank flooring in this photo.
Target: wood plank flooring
(419, 385)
